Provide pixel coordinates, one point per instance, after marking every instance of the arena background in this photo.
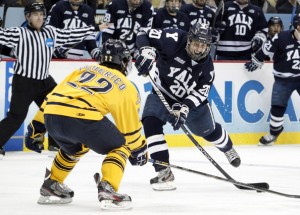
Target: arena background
(240, 101)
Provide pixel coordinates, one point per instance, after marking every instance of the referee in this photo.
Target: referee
(33, 46)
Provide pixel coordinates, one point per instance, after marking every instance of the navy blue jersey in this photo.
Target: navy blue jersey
(179, 77)
(241, 26)
(163, 19)
(63, 16)
(286, 54)
(205, 15)
(127, 24)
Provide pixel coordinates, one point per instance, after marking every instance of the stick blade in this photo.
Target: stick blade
(261, 185)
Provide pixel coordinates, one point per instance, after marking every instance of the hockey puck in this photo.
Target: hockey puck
(259, 191)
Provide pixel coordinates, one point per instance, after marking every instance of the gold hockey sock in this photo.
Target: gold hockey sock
(63, 164)
(113, 166)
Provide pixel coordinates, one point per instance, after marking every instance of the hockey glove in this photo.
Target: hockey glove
(139, 156)
(179, 116)
(34, 137)
(95, 54)
(60, 53)
(253, 65)
(221, 27)
(257, 41)
(145, 60)
(215, 36)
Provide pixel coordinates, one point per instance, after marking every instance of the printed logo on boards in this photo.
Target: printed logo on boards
(15, 143)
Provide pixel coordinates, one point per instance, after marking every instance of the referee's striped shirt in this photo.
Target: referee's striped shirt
(34, 49)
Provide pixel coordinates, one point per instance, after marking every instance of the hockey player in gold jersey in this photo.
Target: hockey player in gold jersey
(74, 115)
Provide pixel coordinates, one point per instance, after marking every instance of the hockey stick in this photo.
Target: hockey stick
(236, 183)
(292, 17)
(185, 130)
(219, 12)
(293, 14)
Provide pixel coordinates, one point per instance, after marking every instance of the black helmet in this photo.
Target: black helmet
(116, 52)
(296, 21)
(201, 33)
(34, 7)
(275, 20)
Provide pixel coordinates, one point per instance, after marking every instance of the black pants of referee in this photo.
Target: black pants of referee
(24, 92)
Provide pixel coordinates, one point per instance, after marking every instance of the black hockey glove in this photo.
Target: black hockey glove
(253, 65)
(139, 156)
(60, 53)
(145, 60)
(179, 116)
(34, 137)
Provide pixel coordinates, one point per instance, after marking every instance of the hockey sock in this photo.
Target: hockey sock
(276, 119)
(113, 166)
(220, 138)
(63, 164)
(157, 145)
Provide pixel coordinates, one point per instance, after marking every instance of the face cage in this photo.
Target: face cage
(197, 57)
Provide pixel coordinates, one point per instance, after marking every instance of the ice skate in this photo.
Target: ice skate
(267, 140)
(233, 157)
(53, 192)
(164, 181)
(2, 153)
(109, 199)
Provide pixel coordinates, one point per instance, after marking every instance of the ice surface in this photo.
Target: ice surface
(21, 175)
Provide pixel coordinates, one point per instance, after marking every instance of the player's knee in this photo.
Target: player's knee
(215, 134)
(277, 111)
(152, 126)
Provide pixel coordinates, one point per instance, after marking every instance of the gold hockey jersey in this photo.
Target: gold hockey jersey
(94, 91)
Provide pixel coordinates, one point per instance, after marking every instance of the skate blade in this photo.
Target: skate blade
(167, 186)
(48, 200)
(110, 205)
(52, 154)
(267, 144)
